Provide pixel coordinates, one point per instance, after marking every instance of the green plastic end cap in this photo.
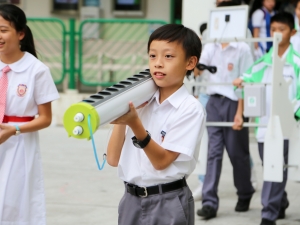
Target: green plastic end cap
(79, 128)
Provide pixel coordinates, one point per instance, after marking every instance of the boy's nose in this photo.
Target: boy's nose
(158, 63)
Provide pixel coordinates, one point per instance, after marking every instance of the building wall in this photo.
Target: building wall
(195, 12)
(155, 9)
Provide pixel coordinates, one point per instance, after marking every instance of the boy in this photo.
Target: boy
(155, 187)
(274, 197)
(295, 40)
(232, 60)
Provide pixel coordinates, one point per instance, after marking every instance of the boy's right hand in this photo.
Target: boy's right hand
(237, 82)
(238, 122)
(130, 117)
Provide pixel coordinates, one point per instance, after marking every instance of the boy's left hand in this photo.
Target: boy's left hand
(238, 122)
(6, 131)
(129, 118)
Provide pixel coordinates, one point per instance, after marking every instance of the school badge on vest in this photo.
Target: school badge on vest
(230, 66)
(21, 91)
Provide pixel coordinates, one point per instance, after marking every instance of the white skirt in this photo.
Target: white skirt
(22, 198)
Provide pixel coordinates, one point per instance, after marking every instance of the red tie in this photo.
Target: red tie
(3, 91)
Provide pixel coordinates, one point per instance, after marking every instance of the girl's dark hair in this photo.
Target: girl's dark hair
(17, 18)
(178, 33)
(257, 4)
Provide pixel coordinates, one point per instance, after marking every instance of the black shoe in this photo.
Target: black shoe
(207, 212)
(281, 214)
(267, 222)
(242, 205)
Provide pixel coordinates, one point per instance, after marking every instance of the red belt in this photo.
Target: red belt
(7, 119)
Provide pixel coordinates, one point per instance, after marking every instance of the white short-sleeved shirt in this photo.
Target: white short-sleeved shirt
(22, 197)
(37, 84)
(181, 117)
(259, 21)
(231, 63)
(261, 72)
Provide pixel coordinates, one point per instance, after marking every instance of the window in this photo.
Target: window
(65, 5)
(91, 3)
(125, 8)
(10, 1)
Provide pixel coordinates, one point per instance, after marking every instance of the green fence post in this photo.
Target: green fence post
(72, 34)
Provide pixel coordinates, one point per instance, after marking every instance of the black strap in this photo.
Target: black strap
(152, 190)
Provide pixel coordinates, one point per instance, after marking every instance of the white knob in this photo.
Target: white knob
(78, 130)
(78, 117)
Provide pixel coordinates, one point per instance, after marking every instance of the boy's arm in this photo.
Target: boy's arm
(161, 156)
(115, 145)
(238, 118)
(256, 35)
(158, 156)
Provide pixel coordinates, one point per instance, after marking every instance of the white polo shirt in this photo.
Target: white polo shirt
(34, 78)
(231, 63)
(181, 117)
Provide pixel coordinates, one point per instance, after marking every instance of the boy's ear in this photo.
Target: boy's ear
(293, 32)
(192, 62)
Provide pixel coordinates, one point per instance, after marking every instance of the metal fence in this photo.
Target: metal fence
(101, 53)
(111, 50)
(50, 42)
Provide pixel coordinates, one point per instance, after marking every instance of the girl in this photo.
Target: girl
(295, 40)
(26, 92)
(260, 15)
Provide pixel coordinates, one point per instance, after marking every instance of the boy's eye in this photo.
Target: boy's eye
(151, 56)
(169, 56)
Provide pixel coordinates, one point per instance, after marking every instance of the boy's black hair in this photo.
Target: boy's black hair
(178, 33)
(17, 18)
(285, 18)
(229, 3)
(203, 27)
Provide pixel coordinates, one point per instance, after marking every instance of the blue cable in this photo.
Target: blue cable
(94, 147)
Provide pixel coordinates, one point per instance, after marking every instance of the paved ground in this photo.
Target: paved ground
(78, 194)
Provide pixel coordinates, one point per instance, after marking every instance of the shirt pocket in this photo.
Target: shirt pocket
(232, 69)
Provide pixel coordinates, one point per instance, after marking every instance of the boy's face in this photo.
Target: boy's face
(285, 30)
(168, 64)
(269, 4)
(297, 10)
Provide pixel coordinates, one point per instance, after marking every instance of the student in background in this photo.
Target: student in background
(260, 17)
(232, 60)
(273, 195)
(295, 40)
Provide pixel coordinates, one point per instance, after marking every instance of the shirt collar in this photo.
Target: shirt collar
(231, 44)
(175, 99)
(288, 55)
(21, 65)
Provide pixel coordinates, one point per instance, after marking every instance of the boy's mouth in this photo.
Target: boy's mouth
(159, 74)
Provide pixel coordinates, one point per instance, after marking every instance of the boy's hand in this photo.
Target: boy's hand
(237, 82)
(131, 117)
(6, 132)
(238, 122)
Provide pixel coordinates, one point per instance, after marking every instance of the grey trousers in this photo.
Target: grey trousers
(273, 195)
(222, 109)
(171, 208)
